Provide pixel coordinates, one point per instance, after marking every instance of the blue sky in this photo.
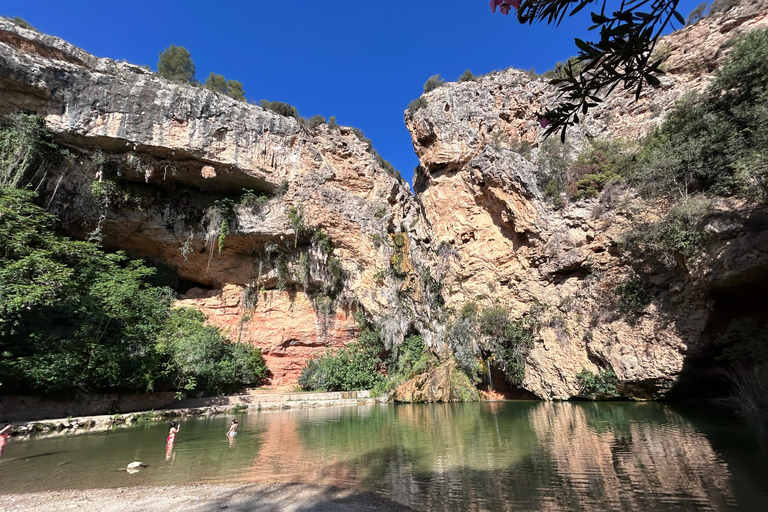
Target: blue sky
(360, 61)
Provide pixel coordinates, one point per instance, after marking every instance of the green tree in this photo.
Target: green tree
(432, 83)
(231, 88)
(216, 83)
(76, 319)
(235, 90)
(697, 13)
(176, 64)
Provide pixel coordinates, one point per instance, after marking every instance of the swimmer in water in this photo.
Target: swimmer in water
(233, 428)
(171, 438)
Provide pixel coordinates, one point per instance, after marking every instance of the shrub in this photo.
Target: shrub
(315, 121)
(512, 349)
(432, 83)
(410, 357)
(254, 202)
(467, 76)
(176, 64)
(414, 105)
(553, 164)
(601, 163)
(23, 23)
(353, 367)
(461, 338)
(388, 167)
(598, 386)
(278, 107)
(679, 232)
(332, 122)
(231, 88)
(632, 297)
(296, 218)
(510, 341)
(710, 143)
(27, 150)
(360, 135)
(334, 282)
(323, 241)
(206, 361)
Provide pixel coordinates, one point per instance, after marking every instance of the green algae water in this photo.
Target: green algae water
(478, 456)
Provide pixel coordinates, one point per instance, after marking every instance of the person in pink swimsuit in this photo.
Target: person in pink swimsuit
(172, 433)
(4, 434)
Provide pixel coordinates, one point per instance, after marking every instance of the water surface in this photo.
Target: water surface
(479, 456)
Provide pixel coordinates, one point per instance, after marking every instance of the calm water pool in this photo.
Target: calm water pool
(480, 456)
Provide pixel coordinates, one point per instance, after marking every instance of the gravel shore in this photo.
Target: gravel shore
(203, 497)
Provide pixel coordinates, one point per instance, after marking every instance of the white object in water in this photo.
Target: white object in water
(135, 465)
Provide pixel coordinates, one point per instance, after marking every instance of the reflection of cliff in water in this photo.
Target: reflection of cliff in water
(529, 456)
(631, 457)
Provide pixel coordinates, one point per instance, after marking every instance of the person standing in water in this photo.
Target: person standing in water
(171, 438)
(4, 434)
(233, 428)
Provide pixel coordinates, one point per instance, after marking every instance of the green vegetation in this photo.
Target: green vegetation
(176, 64)
(433, 83)
(231, 88)
(600, 164)
(467, 76)
(278, 107)
(505, 342)
(315, 121)
(76, 319)
(223, 210)
(252, 201)
(510, 340)
(598, 386)
(399, 260)
(410, 358)
(414, 105)
(332, 123)
(23, 23)
(680, 231)
(356, 366)
(203, 360)
(296, 218)
(715, 143)
(554, 163)
(27, 150)
(632, 297)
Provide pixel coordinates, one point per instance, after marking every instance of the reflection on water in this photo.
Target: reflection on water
(486, 456)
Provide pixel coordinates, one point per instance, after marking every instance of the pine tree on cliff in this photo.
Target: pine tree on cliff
(176, 64)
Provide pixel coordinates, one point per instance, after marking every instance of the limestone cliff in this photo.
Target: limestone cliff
(160, 170)
(512, 246)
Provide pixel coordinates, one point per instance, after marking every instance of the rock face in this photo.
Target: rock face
(513, 247)
(159, 169)
(444, 383)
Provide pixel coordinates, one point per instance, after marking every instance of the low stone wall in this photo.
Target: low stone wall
(29, 408)
(88, 424)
